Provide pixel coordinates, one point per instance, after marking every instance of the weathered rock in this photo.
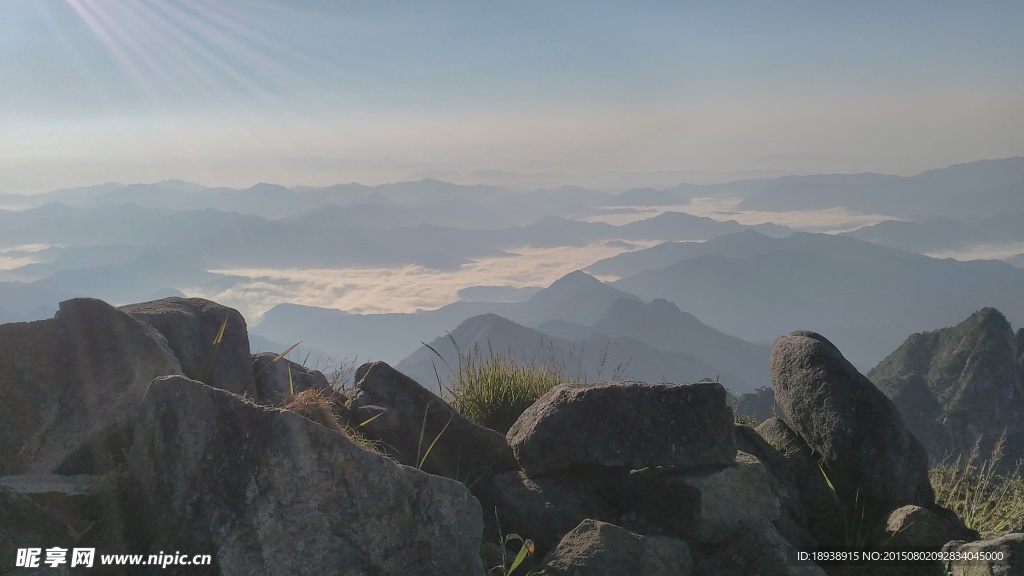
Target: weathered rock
(266, 491)
(792, 520)
(824, 513)
(625, 424)
(70, 386)
(925, 528)
(600, 549)
(874, 462)
(756, 550)
(276, 381)
(411, 417)
(191, 327)
(1007, 549)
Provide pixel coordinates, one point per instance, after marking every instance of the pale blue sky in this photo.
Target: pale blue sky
(318, 92)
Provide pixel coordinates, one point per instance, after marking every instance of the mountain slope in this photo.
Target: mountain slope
(662, 325)
(575, 297)
(931, 235)
(958, 385)
(974, 190)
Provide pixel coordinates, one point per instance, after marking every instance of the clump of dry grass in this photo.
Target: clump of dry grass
(313, 405)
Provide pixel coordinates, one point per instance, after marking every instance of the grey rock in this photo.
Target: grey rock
(276, 381)
(625, 424)
(1009, 547)
(700, 507)
(411, 417)
(70, 386)
(600, 549)
(267, 491)
(874, 462)
(824, 512)
(792, 521)
(191, 327)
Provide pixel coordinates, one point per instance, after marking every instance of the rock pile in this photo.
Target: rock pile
(145, 430)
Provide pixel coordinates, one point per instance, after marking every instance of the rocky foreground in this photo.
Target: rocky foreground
(150, 429)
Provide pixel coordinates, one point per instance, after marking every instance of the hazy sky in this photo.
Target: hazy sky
(318, 92)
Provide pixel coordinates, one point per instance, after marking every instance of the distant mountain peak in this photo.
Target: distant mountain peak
(575, 280)
(990, 319)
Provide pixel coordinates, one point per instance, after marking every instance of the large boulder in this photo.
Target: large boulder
(596, 548)
(70, 386)
(407, 418)
(874, 462)
(625, 425)
(277, 380)
(192, 327)
(267, 491)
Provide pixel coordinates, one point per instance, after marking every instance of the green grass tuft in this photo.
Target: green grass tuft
(493, 389)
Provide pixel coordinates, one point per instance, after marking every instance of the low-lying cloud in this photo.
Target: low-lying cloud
(406, 289)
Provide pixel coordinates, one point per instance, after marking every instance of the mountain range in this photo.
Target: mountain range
(867, 298)
(866, 289)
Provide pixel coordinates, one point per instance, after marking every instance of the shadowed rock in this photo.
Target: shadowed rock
(407, 418)
(269, 492)
(756, 550)
(824, 513)
(873, 461)
(600, 549)
(925, 527)
(46, 510)
(625, 424)
(1004, 556)
(70, 386)
(191, 327)
(792, 520)
(699, 506)
(546, 509)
